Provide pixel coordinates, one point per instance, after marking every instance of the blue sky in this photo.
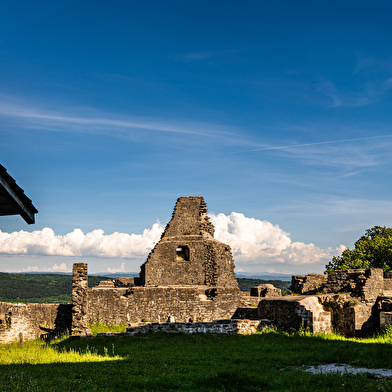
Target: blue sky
(277, 113)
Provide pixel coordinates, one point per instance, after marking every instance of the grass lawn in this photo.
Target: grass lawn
(176, 362)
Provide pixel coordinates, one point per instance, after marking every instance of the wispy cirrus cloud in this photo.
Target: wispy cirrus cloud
(196, 56)
(349, 153)
(90, 120)
(373, 91)
(316, 143)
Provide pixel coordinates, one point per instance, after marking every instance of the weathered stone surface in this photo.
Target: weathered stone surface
(218, 326)
(188, 275)
(29, 321)
(248, 300)
(265, 290)
(350, 315)
(307, 284)
(122, 305)
(295, 312)
(187, 253)
(79, 299)
(388, 284)
(385, 319)
(127, 282)
(366, 284)
(353, 307)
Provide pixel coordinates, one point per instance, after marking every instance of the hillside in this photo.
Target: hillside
(39, 288)
(56, 288)
(245, 284)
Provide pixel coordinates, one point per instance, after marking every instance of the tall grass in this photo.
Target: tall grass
(36, 352)
(268, 361)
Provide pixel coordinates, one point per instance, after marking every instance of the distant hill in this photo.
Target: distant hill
(39, 288)
(245, 284)
(57, 288)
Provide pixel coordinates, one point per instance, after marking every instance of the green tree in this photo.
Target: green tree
(372, 250)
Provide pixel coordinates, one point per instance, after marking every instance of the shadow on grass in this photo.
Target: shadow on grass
(263, 362)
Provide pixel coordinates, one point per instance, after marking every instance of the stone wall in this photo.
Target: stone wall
(29, 321)
(307, 284)
(387, 284)
(187, 253)
(218, 326)
(384, 307)
(366, 284)
(295, 312)
(350, 316)
(265, 290)
(156, 304)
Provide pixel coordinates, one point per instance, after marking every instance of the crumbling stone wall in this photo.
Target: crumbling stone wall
(295, 312)
(265, 290)
(29, 321)
(156, 304)
(387, 284)
(366, 284)
(187, 253)
(384, 307)
(350, 316)
(307, 284)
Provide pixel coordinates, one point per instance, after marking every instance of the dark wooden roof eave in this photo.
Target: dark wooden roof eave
(13, 200)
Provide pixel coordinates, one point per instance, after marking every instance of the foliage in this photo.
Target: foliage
(268, 361)
(372, 250)
(39, 288)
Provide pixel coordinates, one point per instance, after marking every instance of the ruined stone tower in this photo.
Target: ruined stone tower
(187, 253)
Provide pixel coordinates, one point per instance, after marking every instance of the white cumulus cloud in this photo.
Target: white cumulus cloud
(76, 243)
(55, 268)
(253, 242)
(115, 270)
(260, 242)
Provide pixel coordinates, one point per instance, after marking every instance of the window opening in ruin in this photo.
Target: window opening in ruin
(182, 253)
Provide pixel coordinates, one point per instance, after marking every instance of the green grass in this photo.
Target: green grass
(177, 362)
(100, 328)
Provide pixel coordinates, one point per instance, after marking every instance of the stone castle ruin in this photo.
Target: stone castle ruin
(187, 253)
(188, 276)
(188, 284)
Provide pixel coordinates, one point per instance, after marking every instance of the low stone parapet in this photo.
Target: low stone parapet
(219, 326)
